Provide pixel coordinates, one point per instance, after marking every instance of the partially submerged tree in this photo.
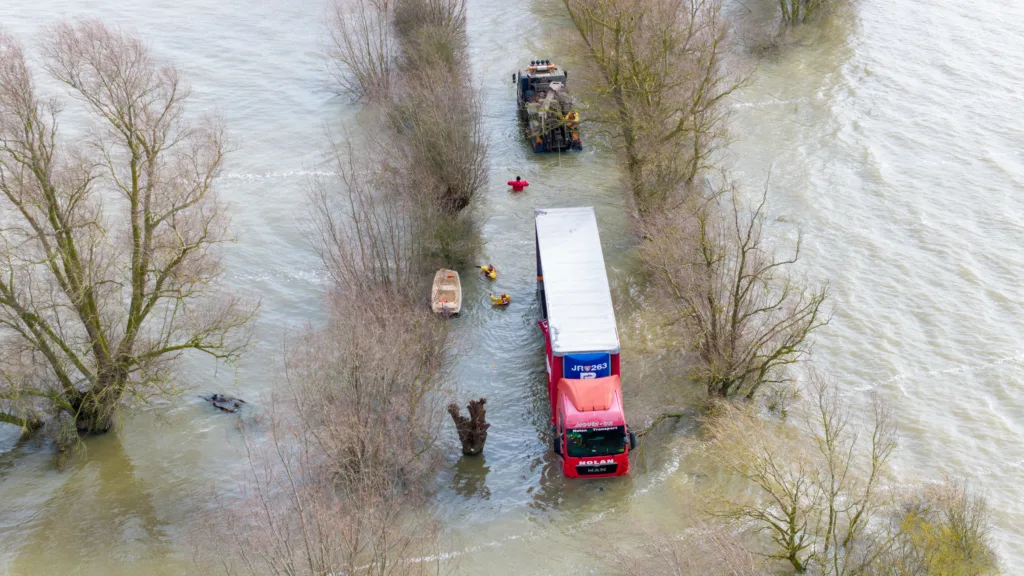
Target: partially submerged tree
(944, 529)
(819, 501)
(429, 152)
(435, 114)
(109, 265)
(353, 439)
(362, 51)
(416, 19)
(355, 430)
(366, 238)
(364, 224)
(731, 293)
(439, 137)
(824, 503)
(373, 413)
(800, 11)
(657, 81)
(433, 32)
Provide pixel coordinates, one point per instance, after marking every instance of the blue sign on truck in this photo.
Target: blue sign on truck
(587, 366)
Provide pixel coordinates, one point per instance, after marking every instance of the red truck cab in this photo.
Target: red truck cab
(591, 435)
(588, 418)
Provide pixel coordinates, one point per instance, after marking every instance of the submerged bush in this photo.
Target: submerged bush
(450, 241)
(943, 530)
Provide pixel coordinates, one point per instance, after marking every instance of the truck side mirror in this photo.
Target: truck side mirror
(558, 445)
(632, 441)
(513, 77)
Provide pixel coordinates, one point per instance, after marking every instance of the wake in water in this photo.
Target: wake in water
(657, 479)
(279, 175)
(318, 277)
(967, 368)
(766, 103)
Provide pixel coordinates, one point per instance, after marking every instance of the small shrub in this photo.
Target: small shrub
(943, 530)
(413, 15)
(450, 241)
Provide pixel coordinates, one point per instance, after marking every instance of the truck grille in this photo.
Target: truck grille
(594, 470)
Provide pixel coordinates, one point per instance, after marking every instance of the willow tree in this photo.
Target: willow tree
(108, 258)
(731, 294)
(657, 80)
(361, 50)
(821, 500)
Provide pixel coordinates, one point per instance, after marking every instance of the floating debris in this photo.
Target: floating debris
(224, 403)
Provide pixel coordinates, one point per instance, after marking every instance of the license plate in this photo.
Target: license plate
(594, 470)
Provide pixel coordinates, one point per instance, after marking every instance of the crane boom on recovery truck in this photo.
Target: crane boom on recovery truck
(582, 345)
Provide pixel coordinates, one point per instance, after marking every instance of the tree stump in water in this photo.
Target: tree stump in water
(472, 430)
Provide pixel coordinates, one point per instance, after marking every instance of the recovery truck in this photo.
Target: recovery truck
(582, 345)
(546, 112)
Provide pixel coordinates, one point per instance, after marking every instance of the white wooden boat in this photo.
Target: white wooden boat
(446, 295)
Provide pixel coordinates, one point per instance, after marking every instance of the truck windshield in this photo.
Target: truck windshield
(596, 441)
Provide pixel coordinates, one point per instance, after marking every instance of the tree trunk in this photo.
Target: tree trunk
(94, 418)
(96, 410)
(473, 430)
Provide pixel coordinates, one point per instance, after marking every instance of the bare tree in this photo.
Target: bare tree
(364, 223)
(436, 136)
(731, 293)
(850, 490)
(354, 439)
(292, 519)
(340, 488)
(358, 434)
(429, 154)
(109, 263)
(300, 514)
(418, 20)
(370, 410)
(435, 115)
(774, 461)
(819, 501)
(657, 68)
(437, 128)
(355, 436)
(366, 236)
(362, 51)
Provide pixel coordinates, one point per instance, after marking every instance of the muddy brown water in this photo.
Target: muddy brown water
(895, 142)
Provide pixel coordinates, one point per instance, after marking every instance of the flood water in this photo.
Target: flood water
(895, 142)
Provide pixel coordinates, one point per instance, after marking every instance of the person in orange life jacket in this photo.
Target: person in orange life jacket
(517, 184)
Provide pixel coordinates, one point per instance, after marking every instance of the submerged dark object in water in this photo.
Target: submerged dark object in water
(225, 403)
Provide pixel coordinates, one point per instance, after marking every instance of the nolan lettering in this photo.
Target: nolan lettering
(595, 462)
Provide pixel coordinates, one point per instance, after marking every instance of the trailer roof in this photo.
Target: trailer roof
(579, 302)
